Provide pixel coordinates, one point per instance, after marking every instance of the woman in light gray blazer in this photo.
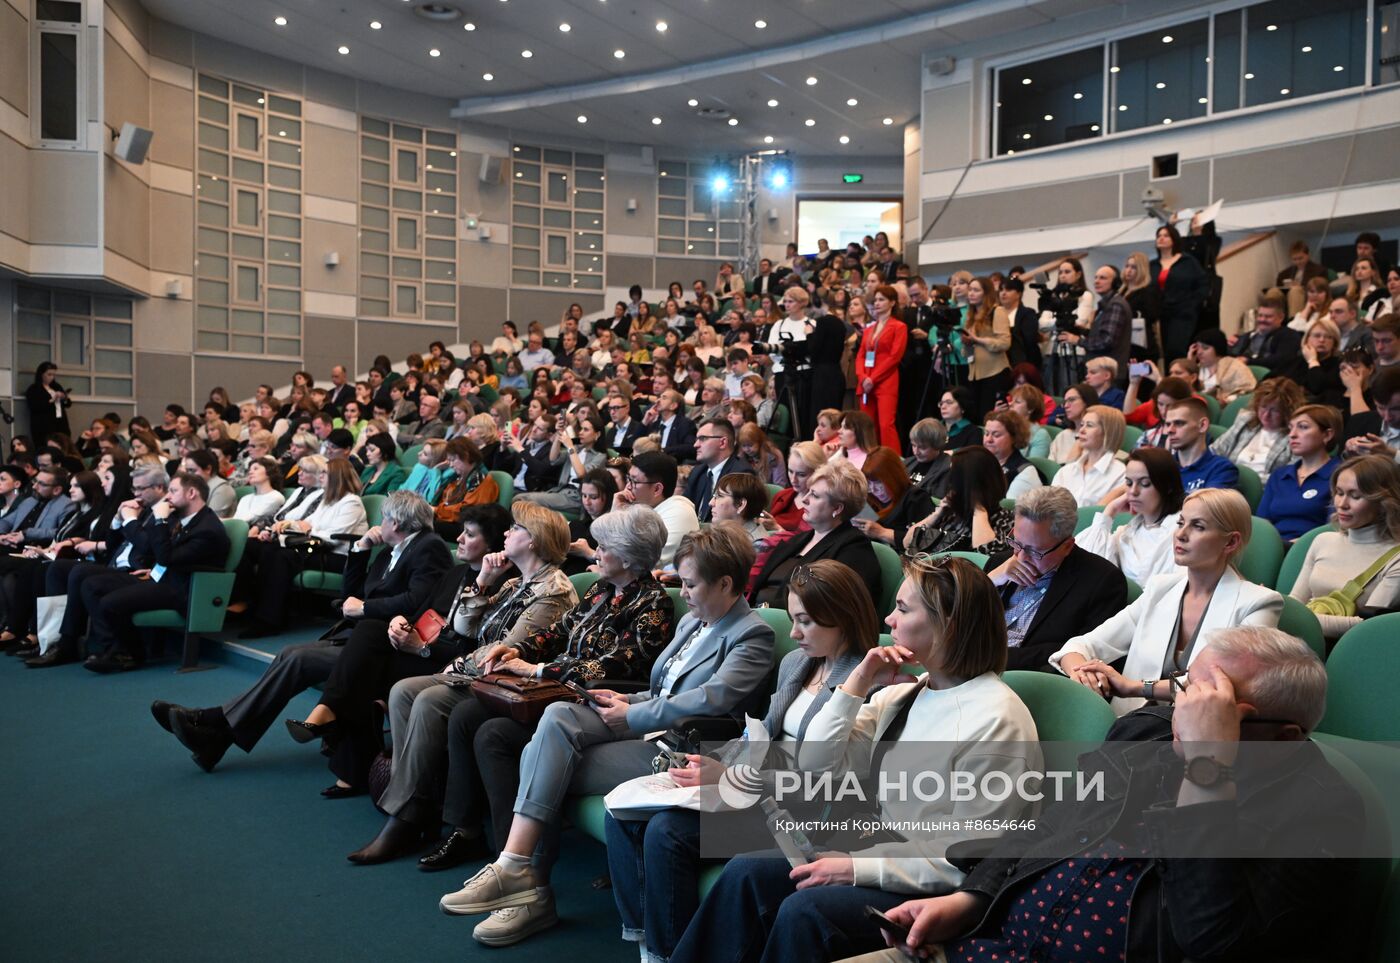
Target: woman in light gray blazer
(655, 865)
(716, 666)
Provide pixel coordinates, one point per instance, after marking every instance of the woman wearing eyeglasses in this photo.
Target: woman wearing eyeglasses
(655, 865)
(1171, 621)
(948, 621)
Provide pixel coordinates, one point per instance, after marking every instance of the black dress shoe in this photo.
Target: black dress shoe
(308, 732)
(207, 743)
(55, 656)
(458, 849)
(398, 838)
(114, 662)
(26, 651)
(160, 711)
(342, 792)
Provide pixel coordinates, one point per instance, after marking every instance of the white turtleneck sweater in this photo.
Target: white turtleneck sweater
(1336, 557)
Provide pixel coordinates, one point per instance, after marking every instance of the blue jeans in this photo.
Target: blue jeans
(655, 869)
(756, 913)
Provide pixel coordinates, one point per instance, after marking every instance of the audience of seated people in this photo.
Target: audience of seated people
(675, 482)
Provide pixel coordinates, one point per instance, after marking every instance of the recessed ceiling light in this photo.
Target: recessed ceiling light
(281, 133)
(1122, 107)
(1011, 150)
(280, 21)
(452, 153)
(469, 26)
(1338, 68)
(1078, 95)
(811, 81)
(1201, 100)
(375, 25)
(1093, 126)
(1285, 91)
(656, 120)
(851, 101)
(1161, 85)
(619, 53)
(435, 52)
(1168, 38)
(772, 102)
(1114, 69)
(1248, 76)
(1271, 27)
(761, 24)
(887, 121)
(844, 139)
(661, 26)
(1307, 50)
(1025, 136)
(734, 122)
(1049, 116)
(488, 76)
(343, 49)
(1166, 120)
(1025, 81)
(768, 139)
(810, 122)
(582, 118)
(527, 54)
(564, 28)
(693, 102)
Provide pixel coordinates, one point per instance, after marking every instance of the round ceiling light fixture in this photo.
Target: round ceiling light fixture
(438, 12)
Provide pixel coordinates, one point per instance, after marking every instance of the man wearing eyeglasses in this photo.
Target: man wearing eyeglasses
(715, 458)
(1051, 588)
(651, 481)
(623, 429)
(36, 518)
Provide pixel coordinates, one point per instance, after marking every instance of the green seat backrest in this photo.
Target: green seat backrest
(1009, 504)
(1360, 678)
(409, 456)
(1131, 435)
(781, 624)
(1087, 514)
(1260, 560)
(1052, 430)
(600, 392)
(237, 531)
(488, 394)
(773, 492)
(1260, 372)
(242, 490)
(677, 603)
(782, 421)
(1293, 561)
(1232, 410)
(506, 484)
(1216, 431)
(1250, 486)
(1213, 406)
(583, 581)
(374, 508)
(891, 574)
(1047, 466)
(1065, 712)
(1134, 590)
(1298, 620)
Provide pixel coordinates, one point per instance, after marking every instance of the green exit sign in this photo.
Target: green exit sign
(852, 178)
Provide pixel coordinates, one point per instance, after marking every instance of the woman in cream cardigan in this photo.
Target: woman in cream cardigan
(987, 332)
(1171, 621)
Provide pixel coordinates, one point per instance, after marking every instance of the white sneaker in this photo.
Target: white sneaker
(498, 886)
(514, 923)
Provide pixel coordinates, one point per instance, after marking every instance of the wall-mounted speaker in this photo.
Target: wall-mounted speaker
(491, 167)
(942, 66)
(132, 143)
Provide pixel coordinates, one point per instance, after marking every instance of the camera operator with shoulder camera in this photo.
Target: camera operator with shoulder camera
(1111, 333)
(786, 341)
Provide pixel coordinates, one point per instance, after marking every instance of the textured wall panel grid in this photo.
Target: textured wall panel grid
(480, 311)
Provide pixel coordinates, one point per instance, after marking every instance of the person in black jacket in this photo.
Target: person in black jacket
(1051, 588)
(1272, 344)
(188, 537)
(715, 458)
(836, 493)
(1175, 904)
(676, 432)
(48, 404)
(392, 583)
(1184, 286)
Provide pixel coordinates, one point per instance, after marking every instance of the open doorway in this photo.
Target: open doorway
(843, 221)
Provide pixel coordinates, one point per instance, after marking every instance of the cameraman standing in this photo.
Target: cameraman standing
(786, 340)
(1110, 335)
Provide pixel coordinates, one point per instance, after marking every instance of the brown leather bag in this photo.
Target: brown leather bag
(519, 699)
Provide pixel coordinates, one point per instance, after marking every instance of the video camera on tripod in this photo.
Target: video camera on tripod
(1060, 302)
(787, 347)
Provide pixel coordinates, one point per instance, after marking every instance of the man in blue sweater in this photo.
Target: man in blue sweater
(1188, 437)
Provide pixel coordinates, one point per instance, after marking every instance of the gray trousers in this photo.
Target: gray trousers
(296, 669)
(419, 709)
(558, 499)
(574, 752)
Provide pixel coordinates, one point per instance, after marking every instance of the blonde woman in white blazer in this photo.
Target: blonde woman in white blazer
(1171, 622)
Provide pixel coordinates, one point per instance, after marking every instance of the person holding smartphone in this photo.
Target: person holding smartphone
(576, 451)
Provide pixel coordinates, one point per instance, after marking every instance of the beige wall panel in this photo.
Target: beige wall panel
(253, 67)
(14, 59)
(14, 201)
(172, 113)
(480, 311)
(1374, 159)
(164, 325)
(172, 234)
(163, 379)
(1070, 202)
(325, 87)
(1303, 168)
(321, 237)
(241, 376)
(126, 86)
(330, 158)
(128, 214)
(483, 262)
(947, 127)
(638, 223)
(490, 202)
(623, 271)
(63, 198)
(685, 270)
(326, 342)
(172, 43)
(547, 307)
(137, 20)
(393, 339)
(410, 108)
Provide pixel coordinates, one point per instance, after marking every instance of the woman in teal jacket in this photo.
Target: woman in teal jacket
(382, 473)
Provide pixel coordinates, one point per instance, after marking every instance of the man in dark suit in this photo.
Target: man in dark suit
(622, 429)
(1051, 588)
(1302, 269)
(1272, 344)
(715, 457)
(340, 390)
(766, 282)
(400, 581)
(667, 419)
(188, 536)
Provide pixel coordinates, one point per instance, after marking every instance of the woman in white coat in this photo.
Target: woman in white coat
(1171, 622)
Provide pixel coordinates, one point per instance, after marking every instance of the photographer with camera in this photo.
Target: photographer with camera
(1111, 333)
(925, 370)
(1068, 306)
(786, 341)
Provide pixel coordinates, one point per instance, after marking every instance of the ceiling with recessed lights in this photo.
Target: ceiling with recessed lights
(815, 76)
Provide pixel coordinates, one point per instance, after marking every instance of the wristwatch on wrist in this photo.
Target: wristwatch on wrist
(1148, 686)
(426, 651)
(1206, 772)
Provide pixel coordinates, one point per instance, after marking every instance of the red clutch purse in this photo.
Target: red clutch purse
(429, 626)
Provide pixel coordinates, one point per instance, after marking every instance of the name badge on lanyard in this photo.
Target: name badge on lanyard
(870, 358)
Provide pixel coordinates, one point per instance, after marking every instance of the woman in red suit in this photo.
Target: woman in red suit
(877, 365)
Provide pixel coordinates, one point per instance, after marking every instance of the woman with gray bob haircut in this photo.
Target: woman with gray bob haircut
(634, 536)
(408, 512)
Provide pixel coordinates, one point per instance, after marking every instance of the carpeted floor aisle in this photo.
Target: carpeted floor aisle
(114, 846)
